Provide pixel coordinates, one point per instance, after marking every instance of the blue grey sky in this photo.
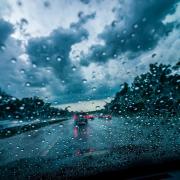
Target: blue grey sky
(66, 51)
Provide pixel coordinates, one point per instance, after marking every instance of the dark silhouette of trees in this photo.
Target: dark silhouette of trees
(153, 93)
(27, 108)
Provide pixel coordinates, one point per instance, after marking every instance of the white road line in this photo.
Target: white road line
(53, 143)
(50, 147)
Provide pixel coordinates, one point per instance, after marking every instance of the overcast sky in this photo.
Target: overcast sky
(67, 51)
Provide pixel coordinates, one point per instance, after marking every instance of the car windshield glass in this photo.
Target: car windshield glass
(88, 86)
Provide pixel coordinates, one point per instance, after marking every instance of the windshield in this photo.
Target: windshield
(88, 86)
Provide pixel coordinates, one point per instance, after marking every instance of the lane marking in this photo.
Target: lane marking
(50, 147)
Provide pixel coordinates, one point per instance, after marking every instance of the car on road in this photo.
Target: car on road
(88, 116)
(80, 119)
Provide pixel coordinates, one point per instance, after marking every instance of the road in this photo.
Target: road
(64, 142)
(63, 139)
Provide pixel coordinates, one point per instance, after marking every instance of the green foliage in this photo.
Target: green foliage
(27, 108)
(153, 93)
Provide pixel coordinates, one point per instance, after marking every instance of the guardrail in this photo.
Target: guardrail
(10, 131)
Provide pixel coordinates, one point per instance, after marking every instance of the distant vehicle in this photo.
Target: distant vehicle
(107, 116)
(88, 116)
(79, 119)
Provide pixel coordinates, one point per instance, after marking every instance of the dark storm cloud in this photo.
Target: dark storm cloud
(141, 30)
(5, 30)
(53, 52)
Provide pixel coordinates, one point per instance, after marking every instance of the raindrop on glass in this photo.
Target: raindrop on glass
(144, 19)
(73, 68)
(13, 60)
(59, 59)
(153, 55)
(21, 108)
(2, 47)
(122, 40)
(48, 58)
(24, 22)
(94, 88)
(34, 65)
(97, 108)
(84, 81)
(28, 84)
(135, 26)
(22, 71)
(103, 53)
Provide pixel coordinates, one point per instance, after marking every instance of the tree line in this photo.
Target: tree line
(153, 93)
(27, 108)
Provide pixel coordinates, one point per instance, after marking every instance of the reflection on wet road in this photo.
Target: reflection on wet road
(58, 141)
(65, 140)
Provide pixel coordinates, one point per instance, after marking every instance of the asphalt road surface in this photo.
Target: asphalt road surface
(64, 143)
(63, 139)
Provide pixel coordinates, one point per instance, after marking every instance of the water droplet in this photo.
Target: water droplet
(28, 84)
(21, 108)
(22, 71)
(2, 47)
(9, 85)
(48, 58)
(124, 31)
(97, 108)
(115, 55)
(55, 102)
(153, 55)
(94, 88)
(103, 53)
(44, 46)
(13, 60)
(74, 68)
(48, 70)
(77, 57)
(114, 23)
(84, 81)
(135, 26)
(138, 47)
(122, 40)
(59, 59)
(144, 19)
(24, 22)
(153, 31)
(34, 65)
(43, 84)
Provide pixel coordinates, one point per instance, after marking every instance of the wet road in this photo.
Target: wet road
(61, 140)
(64, 144)
(65, 140)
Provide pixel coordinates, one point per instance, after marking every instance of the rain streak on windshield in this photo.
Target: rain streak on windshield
(88, 87)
